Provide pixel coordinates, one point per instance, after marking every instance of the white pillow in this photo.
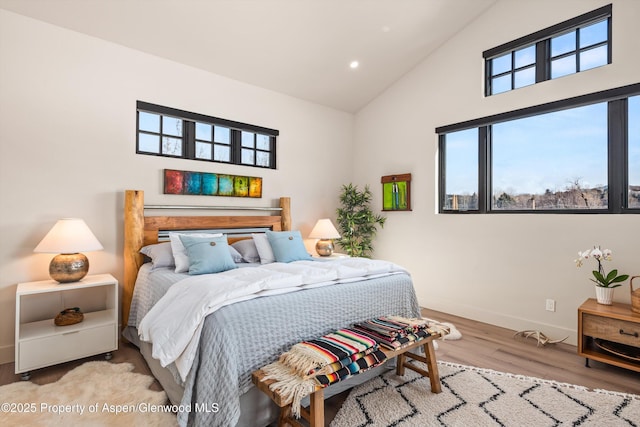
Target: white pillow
(264, 248)
(180, 252)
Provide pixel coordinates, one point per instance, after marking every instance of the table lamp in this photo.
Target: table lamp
(67, 238)
(326, 232)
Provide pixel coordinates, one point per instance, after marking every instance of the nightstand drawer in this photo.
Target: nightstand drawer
(610, 329)
(40, 352)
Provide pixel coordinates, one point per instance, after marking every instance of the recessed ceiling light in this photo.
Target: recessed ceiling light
(354, 64)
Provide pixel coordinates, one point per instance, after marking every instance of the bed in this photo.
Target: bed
(239, 338)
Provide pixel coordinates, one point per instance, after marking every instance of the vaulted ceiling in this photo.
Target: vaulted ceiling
(301, 48)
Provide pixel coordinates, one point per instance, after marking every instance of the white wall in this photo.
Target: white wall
(493, 268)
(67, 145)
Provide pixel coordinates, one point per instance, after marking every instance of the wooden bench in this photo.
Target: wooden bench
(315, 413)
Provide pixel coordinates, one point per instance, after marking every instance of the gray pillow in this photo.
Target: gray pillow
(247, 249)
(235, 255)
(161, 255)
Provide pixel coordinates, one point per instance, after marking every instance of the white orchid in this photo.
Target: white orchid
(581, 257)
(611, 280)
(596, 253)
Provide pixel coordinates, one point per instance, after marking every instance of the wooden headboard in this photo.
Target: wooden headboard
(141, 230)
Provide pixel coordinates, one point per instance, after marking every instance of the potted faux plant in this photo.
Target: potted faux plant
(605, 282)
(356, 221)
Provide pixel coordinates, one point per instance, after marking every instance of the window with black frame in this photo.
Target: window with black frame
(633, 160)
(576, 155)
(570, 47)
(460, 177)
(164, 131)
(551, 161)
(160, 134)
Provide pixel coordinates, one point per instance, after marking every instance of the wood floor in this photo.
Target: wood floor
(482, 345)
(492, 347)
(126, 353)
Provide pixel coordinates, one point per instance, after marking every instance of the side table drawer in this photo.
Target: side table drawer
(610, 329)
(45, 351)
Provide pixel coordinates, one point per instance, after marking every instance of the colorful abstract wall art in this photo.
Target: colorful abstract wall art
(211, 184)
(396, 192)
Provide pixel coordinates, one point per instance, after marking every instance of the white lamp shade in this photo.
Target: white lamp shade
(69, 236)
(324, 229)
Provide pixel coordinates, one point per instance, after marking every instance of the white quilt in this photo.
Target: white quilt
(174, 324)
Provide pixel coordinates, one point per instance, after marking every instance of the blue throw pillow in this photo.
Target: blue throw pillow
(207, 254)
(287, 246)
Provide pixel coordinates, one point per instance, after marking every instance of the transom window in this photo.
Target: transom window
(576, 45)
(213, 142)
(255, 149)
(160, 134)
(513, 70)
(169, 132)
(579, 50)
(576, 155)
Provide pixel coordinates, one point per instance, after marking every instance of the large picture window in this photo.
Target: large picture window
(575, 155)
(164, 131)
(551, 161)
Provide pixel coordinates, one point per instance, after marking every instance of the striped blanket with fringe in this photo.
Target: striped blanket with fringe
(321, 362)
(394, 332)
(362, 364)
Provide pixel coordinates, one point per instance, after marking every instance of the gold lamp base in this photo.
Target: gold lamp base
(324, 247)
(66, 268)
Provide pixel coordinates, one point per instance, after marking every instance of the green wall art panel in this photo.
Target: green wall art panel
(396, 192)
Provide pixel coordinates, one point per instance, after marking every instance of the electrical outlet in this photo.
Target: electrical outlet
(551, 305)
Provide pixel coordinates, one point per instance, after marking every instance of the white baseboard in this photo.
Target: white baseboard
(505, 321)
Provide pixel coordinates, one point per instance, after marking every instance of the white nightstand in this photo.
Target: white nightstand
(332, 256)
(40, 343)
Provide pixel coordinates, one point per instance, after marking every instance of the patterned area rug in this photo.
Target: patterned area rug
(93, 394)
(480, 397)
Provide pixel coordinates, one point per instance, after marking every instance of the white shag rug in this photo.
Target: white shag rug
(93, 394)
(482, 397)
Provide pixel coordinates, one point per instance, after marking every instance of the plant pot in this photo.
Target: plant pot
(604, 295)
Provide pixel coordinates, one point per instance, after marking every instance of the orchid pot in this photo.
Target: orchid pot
(605, 282)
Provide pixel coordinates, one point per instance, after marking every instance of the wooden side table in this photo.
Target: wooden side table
(616, 324)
